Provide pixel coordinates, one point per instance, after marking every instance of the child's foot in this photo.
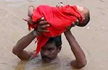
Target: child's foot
(30, 10)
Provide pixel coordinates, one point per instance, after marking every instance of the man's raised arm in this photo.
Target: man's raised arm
(18, 49)
(76, 49)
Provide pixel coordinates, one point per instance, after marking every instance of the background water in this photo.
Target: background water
(93, 38)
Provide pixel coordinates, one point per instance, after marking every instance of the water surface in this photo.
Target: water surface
(92, 38)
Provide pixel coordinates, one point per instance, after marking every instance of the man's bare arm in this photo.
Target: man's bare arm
(76, 49)
(26, 40)
(22, 44)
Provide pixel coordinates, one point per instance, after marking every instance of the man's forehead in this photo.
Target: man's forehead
(50, 45)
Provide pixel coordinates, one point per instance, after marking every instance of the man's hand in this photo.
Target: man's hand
(26, 40)
(73, 24)
(41, 25)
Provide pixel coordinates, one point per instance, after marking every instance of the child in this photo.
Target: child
(60, 18)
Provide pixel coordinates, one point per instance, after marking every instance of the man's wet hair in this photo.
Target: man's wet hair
(57, 40)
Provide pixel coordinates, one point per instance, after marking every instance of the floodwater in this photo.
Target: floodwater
(93, 38)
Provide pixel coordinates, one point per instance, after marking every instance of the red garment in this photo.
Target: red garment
(58, 17)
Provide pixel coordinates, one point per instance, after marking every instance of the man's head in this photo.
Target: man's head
(85, 14)
(51, 49)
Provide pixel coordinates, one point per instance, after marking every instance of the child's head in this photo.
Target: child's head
(85, 14)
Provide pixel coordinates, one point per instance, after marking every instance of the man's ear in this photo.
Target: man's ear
(59, 49)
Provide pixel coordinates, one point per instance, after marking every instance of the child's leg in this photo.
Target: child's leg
(30, 10)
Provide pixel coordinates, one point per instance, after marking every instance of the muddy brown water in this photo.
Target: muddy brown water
(93, 38)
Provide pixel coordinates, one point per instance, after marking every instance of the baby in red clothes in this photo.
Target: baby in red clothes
(60, 18)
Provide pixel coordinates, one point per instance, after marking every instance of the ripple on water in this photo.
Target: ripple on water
(5, 66)
(37, 64)
(17, 3)
(101, 0)
(14, 0)
(20, 0)
(4, 14)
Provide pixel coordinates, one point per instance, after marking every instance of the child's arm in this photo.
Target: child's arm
(76, 49)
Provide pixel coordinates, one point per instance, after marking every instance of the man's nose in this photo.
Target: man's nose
(45, 53)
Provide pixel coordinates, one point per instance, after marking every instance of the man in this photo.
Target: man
(50, 50)
(45, 53)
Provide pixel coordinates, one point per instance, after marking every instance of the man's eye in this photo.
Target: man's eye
(43, 49)
(50, 49)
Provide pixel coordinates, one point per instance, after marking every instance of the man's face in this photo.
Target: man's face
(49, 52)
